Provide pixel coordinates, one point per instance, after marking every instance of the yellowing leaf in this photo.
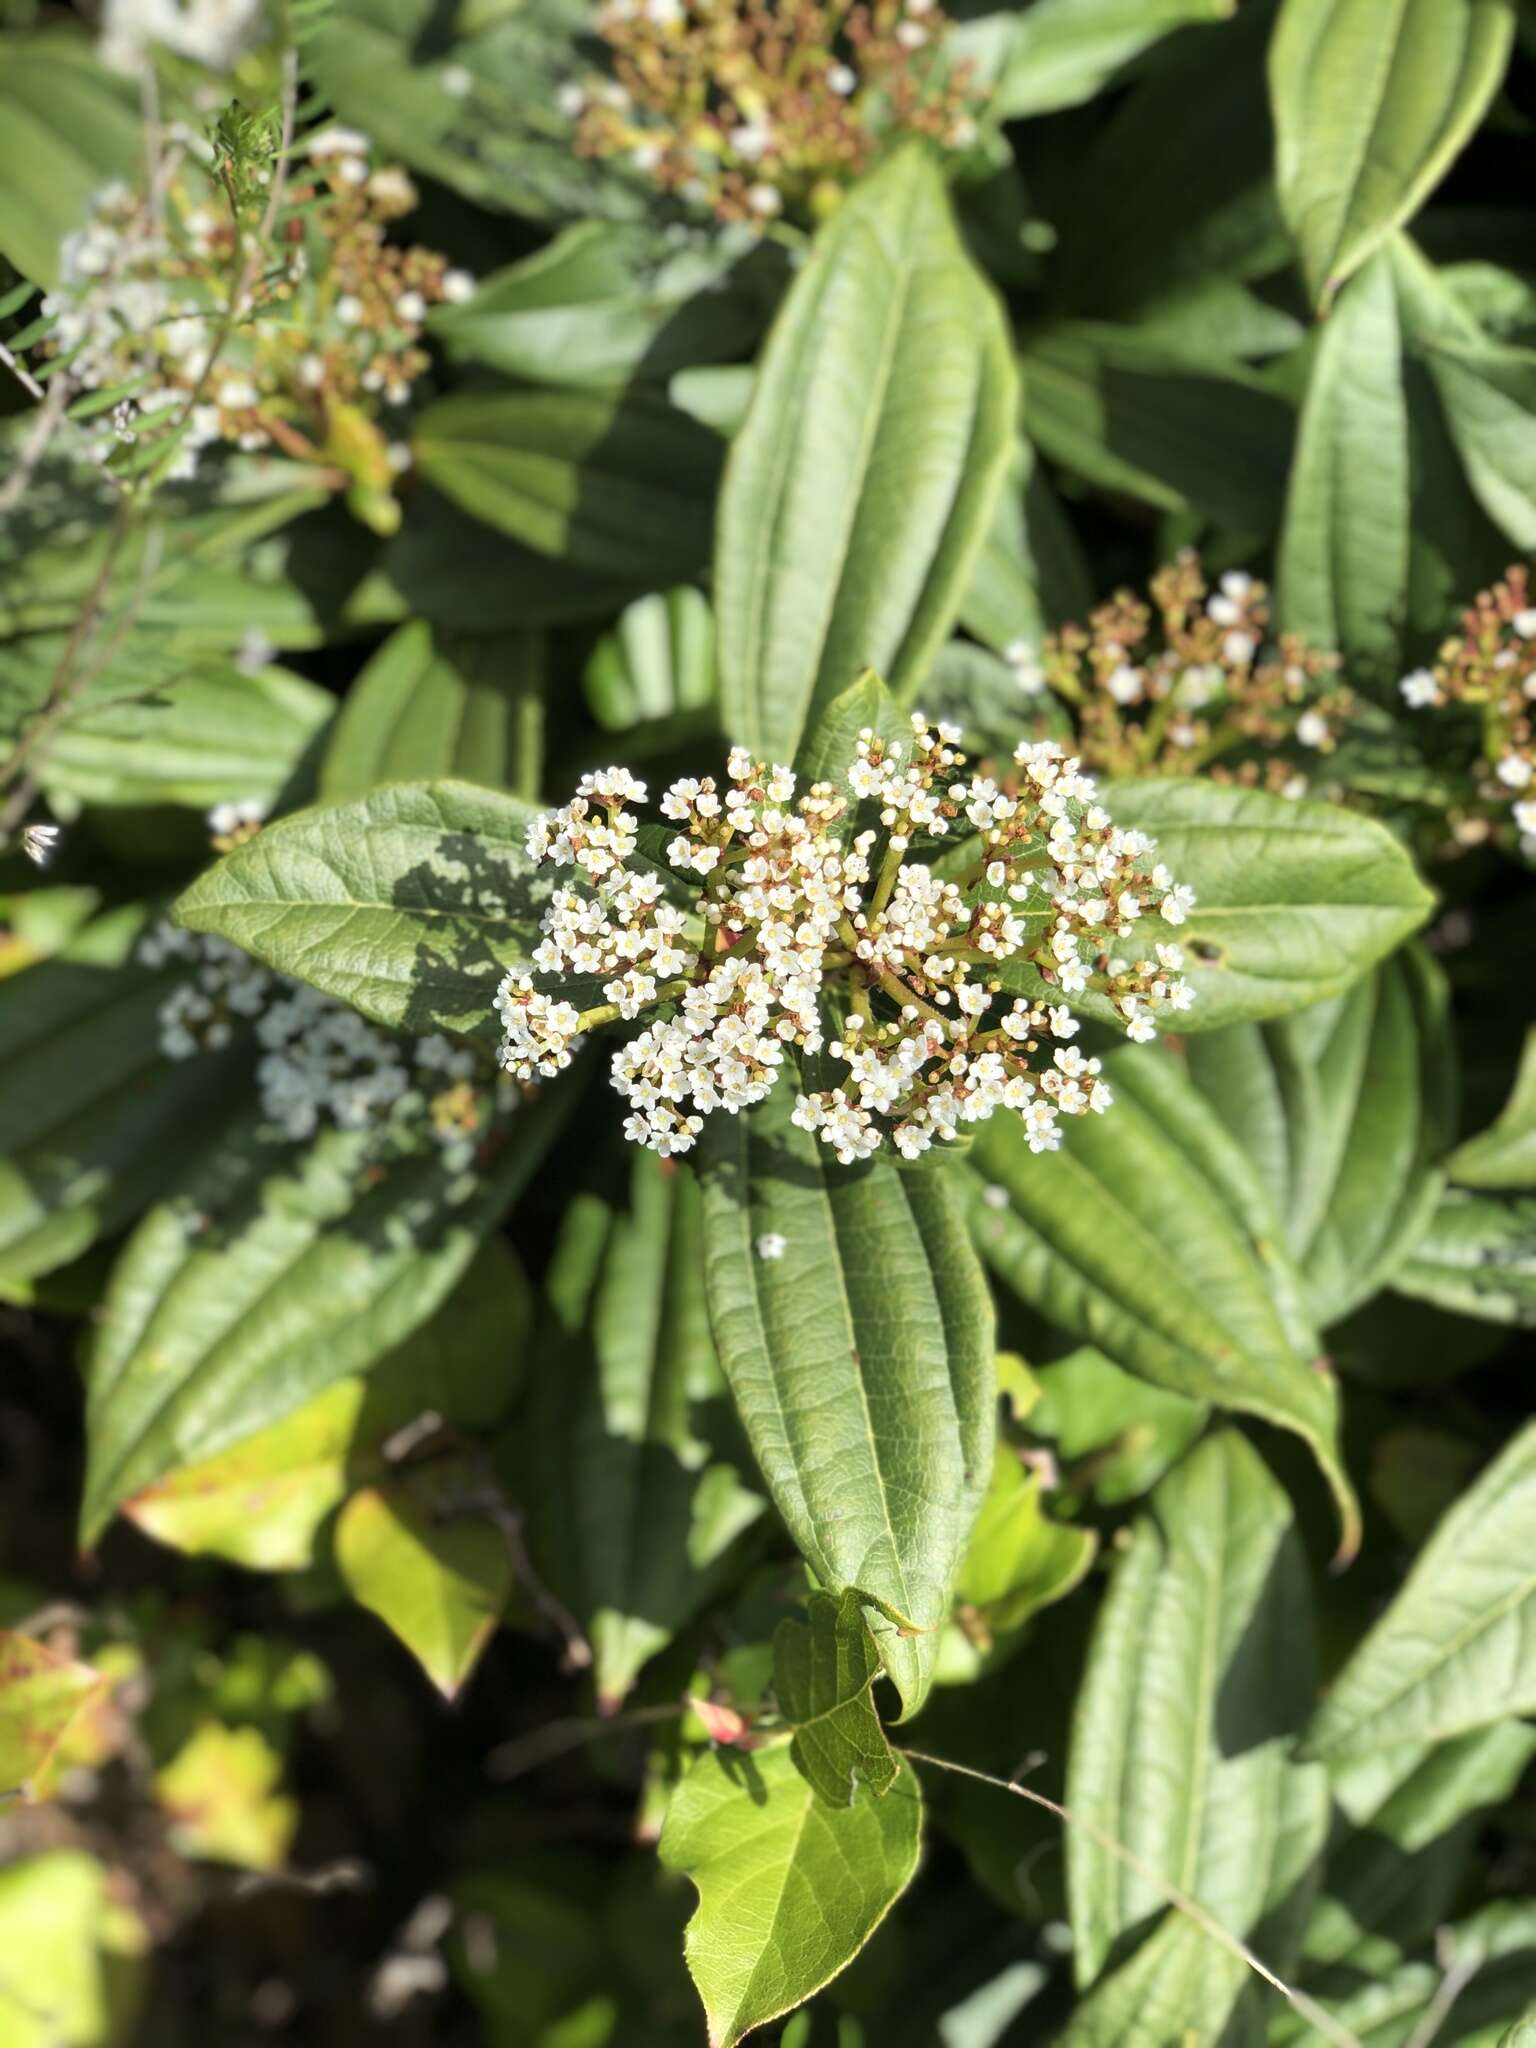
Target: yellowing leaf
(435, 1573)
(40, 1695)
(220, 1794)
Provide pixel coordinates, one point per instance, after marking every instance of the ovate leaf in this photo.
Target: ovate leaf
(619, 485)
(1454, 1651)
(74, 1957)
(415, 1552)
(41, 1694)
(1199, 1675)
(1293, 901)
(1371, 108)
(790, 1888)
(1488, 391)
(410, 902)
(824, 1671)
(1059, 53)
(858, 492)
(1346, 1108)
(861, 1363)
(634, 1517)
(219, 1794)
(437, 703)
(275, 1272)
(1504, 1156)
(1343, 571)
(1149, 1235)
(1477, 1258)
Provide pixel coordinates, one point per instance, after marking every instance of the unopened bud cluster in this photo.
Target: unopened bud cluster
(1489, 669)
(1191, 682)
(318, 1062)
(214, 323)
(750, 108)
(946, 981)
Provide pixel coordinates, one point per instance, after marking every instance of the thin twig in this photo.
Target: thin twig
(1455, 1980)
(1309, 2009)
(22, 374)
(44, 424)
(513, 1759)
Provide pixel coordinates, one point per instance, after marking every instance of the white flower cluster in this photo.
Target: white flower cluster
(791, 911)
(318, 1061)
(215, 33)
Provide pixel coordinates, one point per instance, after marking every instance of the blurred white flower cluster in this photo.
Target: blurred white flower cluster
(944, 979)
(318, 1062)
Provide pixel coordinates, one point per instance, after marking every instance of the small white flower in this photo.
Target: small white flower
(1515, 771)
(842, 79)
(457, 81)
(764, 201)
(1312, 729)
(1419, 689)
(39, 843)
(771, 1245)
(1524, 623)
(752, 140)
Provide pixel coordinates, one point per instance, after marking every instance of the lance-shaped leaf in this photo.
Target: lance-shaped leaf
(1456, 1649)
(202, 734)
(1199, 1675)
(1371, 109)
(1477, 1258)
(41, 1694)
(1293, 901)
(66, 127)
(437, 703)
(261, 1503)
(824, 1672)
(416, 1553)
(1488, 392)
(273, 1273)
(658, 662)
(409, 903)
(618, 484)
(1406, 1820)
(858, 492)
(1149, 1235)
(95, 1121)
(634, 1518)
(790, 1888)
(1345, 548)
(861, 1363)
(1504, 1156)
(1346, 1109)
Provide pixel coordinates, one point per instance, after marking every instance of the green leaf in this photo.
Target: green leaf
(858, 492)
(67, 127)
(274, 1272)
(416, 1553)
(1179, 431)
(261, 1503)
(1199, 1674)
(410, 902)
(1293, 901)
(618, 484)
(861, 1363)
(634, 1518)
(1059, 53)
(1488, 392)
(1125, 1430)
(1018, 1561)
(1346, 1109)
(219, 1795)
(41, 1694)
(1177, 1982)
(1453, 1652)
(187, 732)
(1488, 1958)
(604, 304)
(828, 746)
(1504, 1156)
(1149, 1235)
(1030, 574)
(790, 1889)
(824, 1671)
(437, 703)
(658, 661)
(1477, 1258)
(95, 1122)
(396, 69)
(1344, 559)
(1370, 112)
(1407, 1818)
